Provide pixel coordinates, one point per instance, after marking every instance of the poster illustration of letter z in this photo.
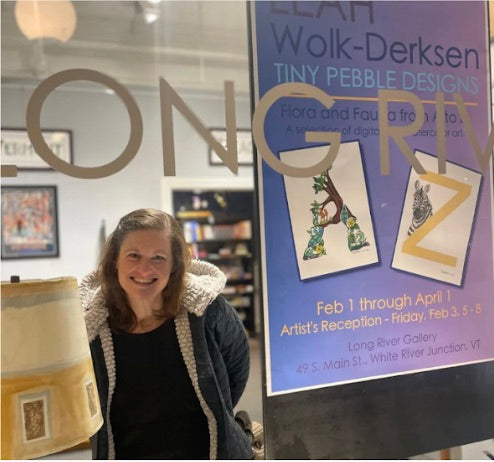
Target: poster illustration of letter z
(379, 262)
(437, 220)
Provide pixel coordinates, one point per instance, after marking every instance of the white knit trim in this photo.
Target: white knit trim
(87, 289)
(109, 353)
(184, 336)
(96, 317)
(203, 284)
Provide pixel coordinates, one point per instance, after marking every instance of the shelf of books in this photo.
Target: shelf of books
(218, 229)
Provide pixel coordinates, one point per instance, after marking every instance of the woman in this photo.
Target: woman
(170, 354)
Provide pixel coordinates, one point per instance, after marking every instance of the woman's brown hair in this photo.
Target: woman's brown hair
(121, 315)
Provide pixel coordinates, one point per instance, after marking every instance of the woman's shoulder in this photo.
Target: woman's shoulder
(219, 307)
(220, 313)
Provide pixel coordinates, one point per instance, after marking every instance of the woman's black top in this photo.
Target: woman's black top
(155, 412)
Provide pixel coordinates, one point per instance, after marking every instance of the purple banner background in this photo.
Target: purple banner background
(302, 37)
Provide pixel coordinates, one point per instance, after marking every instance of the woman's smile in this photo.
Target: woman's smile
(144, 281)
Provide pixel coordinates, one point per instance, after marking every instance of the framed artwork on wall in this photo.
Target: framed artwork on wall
(244, 146)
(29, 222)
(18, 150)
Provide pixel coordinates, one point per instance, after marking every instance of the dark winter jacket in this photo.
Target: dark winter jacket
(214, 348)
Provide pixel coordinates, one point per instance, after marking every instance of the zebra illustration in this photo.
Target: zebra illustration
(422, 207)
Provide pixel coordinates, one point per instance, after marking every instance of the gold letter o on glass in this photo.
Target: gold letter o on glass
(33, 124)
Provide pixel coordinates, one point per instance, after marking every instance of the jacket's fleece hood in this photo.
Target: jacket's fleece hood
(203, 283)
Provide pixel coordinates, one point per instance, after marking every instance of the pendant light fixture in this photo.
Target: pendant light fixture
(44, 19)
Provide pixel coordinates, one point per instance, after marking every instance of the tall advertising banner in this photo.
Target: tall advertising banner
(379, 263)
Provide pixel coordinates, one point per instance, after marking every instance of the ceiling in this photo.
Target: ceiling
(193, 44)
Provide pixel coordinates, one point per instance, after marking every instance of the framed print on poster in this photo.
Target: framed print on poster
(29, 222)
(244, 146)
(18, 150)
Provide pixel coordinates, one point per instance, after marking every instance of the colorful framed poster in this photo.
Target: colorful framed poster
(349, 295)
(18, 150)
(29, 222)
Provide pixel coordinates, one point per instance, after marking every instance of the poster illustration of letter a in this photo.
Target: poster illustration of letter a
(329, 214)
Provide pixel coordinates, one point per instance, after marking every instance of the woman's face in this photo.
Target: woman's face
(144, 264)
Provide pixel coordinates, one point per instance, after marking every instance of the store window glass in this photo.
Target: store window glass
(194, 45)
